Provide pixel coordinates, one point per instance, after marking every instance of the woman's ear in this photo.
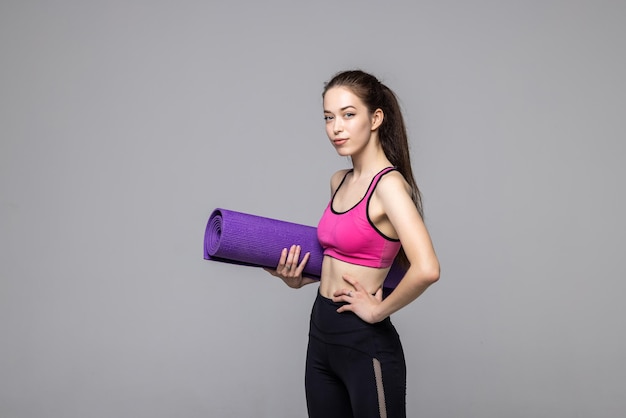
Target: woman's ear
(377, 119)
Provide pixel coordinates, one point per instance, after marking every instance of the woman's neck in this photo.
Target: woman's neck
(369, 162)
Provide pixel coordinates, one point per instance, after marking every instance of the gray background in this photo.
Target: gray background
(124, 123)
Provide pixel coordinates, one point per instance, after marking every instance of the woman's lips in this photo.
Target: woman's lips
(339, 141)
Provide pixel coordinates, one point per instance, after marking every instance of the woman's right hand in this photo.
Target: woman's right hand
(289, 270)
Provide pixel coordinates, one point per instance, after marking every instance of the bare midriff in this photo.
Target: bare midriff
(332, 276)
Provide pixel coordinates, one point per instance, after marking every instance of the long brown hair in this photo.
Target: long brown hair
(391, 133)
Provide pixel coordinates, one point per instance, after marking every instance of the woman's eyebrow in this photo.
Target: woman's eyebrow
(343, 108)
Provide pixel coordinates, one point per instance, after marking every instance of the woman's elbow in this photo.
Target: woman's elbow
(424, 274)
(431, 274)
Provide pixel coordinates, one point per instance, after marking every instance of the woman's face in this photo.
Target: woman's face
(348, 121)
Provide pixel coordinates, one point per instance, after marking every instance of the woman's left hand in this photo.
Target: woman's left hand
(359, 301)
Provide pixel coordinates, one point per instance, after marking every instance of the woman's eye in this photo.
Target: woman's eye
(349, 115)
(328, 118)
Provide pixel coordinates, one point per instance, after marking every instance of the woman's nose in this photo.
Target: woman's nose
(338, 125)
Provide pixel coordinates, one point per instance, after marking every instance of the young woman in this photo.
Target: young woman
(355, 364)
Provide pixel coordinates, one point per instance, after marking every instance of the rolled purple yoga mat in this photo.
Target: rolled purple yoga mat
(245, 239)
(258, 241)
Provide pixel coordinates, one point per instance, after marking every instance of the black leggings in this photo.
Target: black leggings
(353, 369)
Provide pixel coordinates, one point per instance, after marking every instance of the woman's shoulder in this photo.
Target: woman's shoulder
(393, 182)
(337, 178)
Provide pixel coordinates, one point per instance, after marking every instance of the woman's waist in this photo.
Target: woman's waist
(326, 321)
(333, 271)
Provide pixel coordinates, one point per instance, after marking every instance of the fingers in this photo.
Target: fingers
(357, 292)
(347, 294)
(282, 261)
(293, 257)
(345, 308)
(292, 261)
(354, 282)
(344, 292)
(302, 264)
(288, 264)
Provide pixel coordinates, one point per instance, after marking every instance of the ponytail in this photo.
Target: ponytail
(394, 140)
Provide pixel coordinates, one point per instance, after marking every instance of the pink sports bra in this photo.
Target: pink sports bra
(352, 237)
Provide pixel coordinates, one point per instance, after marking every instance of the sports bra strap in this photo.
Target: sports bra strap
(376, 179)
(345, 176)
